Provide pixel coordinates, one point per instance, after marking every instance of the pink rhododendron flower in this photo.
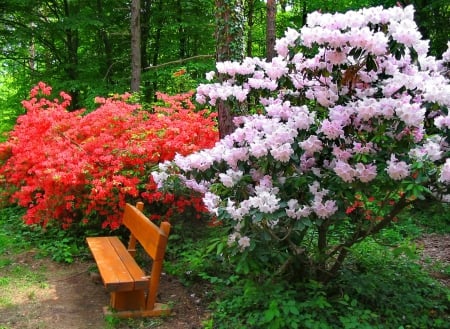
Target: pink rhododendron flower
(312, 144)
(445, 172)
(324, 210)
(282, 152)
(397, 170)
(331, 129)
(244, 242)
(366, 173)
(345, 171)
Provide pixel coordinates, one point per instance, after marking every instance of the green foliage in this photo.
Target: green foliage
(175, 79)
(381, 280)
(14, 234)
(61, 246)
(193, 253)
(83, 46)
(371, 293)
(398, 286)
(376, 286)
(9, 110)
(113, 321)
(432, 217)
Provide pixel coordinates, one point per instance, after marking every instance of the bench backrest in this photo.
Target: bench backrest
(154, 241)
(151, 237)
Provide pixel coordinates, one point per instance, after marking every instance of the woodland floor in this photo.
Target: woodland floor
(69, 297)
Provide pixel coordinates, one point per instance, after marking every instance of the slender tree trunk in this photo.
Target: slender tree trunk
(32, 49)
(304, 13)
(156, 48)
(147, 7)
(271, 30)
(250, 23)
(181, 32)
(229, 46)
(107, 69)
(135, 45)
(146, 11)
(72, 43)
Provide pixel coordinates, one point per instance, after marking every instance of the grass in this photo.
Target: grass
(19, 277)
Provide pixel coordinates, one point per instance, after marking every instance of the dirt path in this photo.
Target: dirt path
(436, 255)
(66, 297)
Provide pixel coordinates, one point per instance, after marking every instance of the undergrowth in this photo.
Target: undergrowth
(382, 285)
(62, 246)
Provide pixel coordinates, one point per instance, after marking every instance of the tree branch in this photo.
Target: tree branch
(180, 61)
(359, 235)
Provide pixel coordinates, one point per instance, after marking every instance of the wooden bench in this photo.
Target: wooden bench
(133, 293)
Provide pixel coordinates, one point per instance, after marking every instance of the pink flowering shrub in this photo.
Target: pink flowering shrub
(354, 127)
(74, 167)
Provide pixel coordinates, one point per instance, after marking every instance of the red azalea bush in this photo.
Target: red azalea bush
(75, 167)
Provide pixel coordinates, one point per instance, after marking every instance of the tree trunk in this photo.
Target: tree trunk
(106, 70)
(182, 40)
(304, 13)
(146, 11)
(229, 46)
(72, 43)
(271, 29)
(250, 23)
(135, 45)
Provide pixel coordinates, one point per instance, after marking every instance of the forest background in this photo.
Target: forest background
(86, 47)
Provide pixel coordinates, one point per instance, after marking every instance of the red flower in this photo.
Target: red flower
(71, 166)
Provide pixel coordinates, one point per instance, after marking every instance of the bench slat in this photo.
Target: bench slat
(117, 267)
(149, 235)
(141, 281)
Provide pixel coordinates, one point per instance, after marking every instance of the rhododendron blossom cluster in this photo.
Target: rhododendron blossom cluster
(354, 109)
(72, 166)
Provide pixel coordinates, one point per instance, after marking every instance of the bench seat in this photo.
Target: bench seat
(118, 269)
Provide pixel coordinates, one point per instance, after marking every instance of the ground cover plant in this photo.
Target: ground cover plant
(72, 167)
(383, 285)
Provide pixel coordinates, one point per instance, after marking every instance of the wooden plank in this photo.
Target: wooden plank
(128, 300)
(149, 235)
(114, 274)
(114, 271)
(141, 281)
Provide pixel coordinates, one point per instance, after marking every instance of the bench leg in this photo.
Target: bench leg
(131, 304)
(128, 300)
(158, 310)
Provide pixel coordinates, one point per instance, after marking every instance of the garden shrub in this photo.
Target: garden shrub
(351, 127)
(73, 167)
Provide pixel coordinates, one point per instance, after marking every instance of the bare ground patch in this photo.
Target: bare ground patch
(436, 255)
(52, 295)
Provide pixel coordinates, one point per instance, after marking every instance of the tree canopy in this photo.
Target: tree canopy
(84, 47)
